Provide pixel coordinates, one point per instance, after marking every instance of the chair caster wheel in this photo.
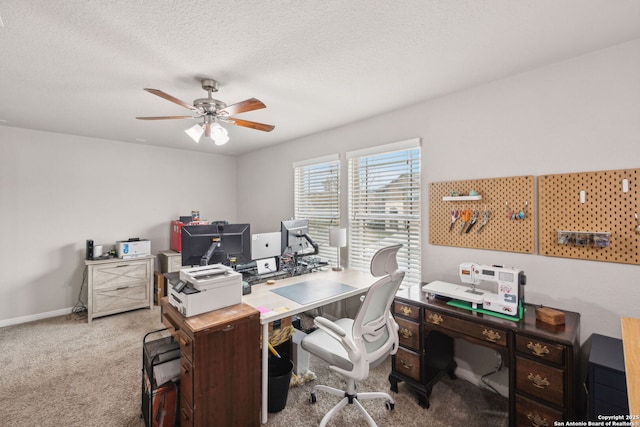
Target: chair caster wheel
(389, 405)
(313, 398)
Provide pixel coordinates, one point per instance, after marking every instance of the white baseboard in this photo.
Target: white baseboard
(500, 381)
(32, 317)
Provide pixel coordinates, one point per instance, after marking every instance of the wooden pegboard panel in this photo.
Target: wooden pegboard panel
(606, 209)
(501, 232)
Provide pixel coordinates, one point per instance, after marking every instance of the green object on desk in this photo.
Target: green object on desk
(467, 306)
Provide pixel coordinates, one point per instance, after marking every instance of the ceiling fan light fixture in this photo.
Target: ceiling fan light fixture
(219, 134)
(195, 132)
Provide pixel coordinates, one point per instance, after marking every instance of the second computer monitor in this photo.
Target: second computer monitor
(293, 240)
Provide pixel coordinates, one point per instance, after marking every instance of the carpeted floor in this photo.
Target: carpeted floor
(65, 372)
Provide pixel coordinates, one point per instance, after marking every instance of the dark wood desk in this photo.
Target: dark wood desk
(544, 383)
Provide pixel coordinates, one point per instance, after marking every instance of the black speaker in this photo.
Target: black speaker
(89, 249)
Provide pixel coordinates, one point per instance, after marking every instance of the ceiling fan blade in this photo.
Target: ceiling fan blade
(166, 118)
(248, 124)
(168, 97)
(243, 106)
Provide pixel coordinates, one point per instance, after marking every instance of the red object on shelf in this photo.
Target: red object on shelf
(176, 233)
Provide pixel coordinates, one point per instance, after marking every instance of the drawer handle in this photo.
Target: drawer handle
(184, 342)
(185, 369)
(538, 349)
(491, 335)
(406, 333)
(121, 288)
(537, 381)
(407, 311)
(537, 420)
(185, 415)
(228, 328)
(435, 318)
(406, 365)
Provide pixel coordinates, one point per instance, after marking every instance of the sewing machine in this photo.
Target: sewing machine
(509, 289)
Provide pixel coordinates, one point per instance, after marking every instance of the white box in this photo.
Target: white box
(300, 355)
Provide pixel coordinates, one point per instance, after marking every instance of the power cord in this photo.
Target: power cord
(80, 306)
(497, 369)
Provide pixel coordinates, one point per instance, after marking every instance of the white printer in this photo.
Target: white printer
(206, 288)
(133, 248)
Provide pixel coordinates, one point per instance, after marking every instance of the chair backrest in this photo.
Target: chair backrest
(374, 324)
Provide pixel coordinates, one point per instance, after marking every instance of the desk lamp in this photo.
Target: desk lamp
(338, 239)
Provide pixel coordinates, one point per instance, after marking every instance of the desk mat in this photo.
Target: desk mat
(313, 290)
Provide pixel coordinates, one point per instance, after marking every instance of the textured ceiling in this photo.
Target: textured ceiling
(79, 66)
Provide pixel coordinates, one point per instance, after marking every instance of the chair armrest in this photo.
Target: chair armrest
(323, 322)
(338, 334)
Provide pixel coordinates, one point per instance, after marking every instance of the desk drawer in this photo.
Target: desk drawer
(407, 310)
(533, 414)
(466, 327)
(541, 349)
(186, 346)
(409, 334)
(186, 413)
(124, 296)
(186, 380)
(539, 380)
(407, 363)
(113, 275)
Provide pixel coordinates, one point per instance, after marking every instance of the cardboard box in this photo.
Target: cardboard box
(158, 287)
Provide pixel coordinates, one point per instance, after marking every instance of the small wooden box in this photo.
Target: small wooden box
(549, 316)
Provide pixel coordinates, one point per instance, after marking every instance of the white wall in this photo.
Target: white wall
(579, 115)
(57, 191)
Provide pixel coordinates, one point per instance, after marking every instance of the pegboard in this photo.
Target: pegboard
(606, 208)
(500, 196)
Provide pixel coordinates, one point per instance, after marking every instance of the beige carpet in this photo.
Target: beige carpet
(66, 372)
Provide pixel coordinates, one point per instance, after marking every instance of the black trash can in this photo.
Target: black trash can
(279, 378)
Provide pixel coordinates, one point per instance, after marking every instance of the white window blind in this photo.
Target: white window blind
(317, 198)
(384, 205)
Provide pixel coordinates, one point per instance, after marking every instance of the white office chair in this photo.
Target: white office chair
(353, 346)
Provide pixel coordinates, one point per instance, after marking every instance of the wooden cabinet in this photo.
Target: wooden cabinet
(219, 365)
(542, 359)
(170, 261)
(117, 285)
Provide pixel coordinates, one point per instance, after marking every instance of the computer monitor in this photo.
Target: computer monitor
(266, 245)
(295, 237)
(216, 243)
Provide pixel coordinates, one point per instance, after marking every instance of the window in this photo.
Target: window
(384, 205)
(317, 198)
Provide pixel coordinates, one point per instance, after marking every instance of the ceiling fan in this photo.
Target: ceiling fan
(212, 112)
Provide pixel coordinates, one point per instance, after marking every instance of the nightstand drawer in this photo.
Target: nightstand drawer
(407, 363)
(466, 327)
(539, 380)
(407, 310)
(409, 334)
(541, 349)
(533, 414)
